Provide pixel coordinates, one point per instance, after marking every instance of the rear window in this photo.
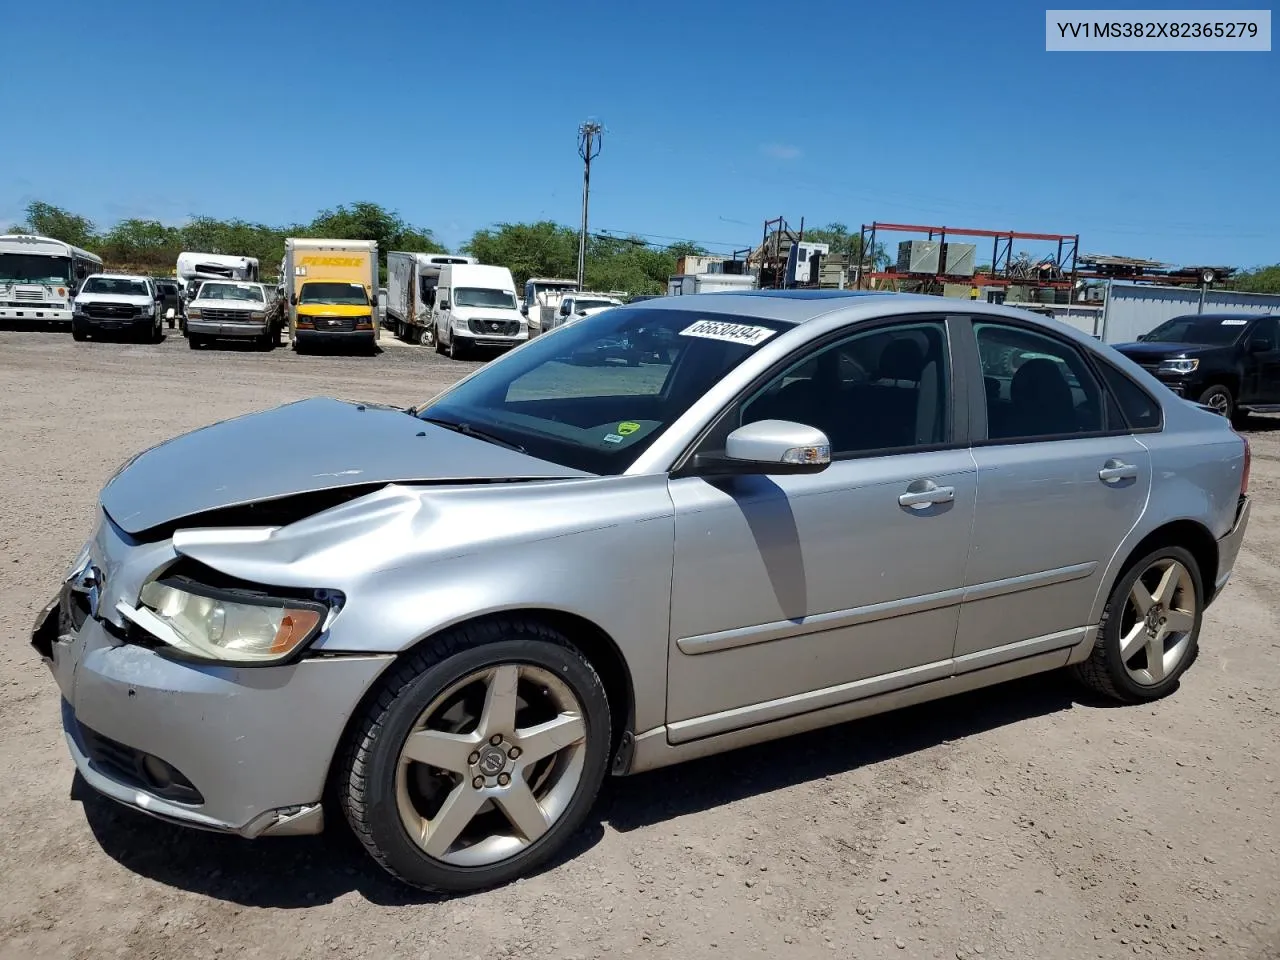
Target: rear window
(1140, 410)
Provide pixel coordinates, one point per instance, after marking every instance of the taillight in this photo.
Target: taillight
(1248, 462)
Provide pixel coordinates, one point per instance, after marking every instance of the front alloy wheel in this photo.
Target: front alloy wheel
(477, 765)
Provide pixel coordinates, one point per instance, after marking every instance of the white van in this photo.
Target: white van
(476, 307)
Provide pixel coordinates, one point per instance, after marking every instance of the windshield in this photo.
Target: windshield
(476, 297)
(593, 304)
(594, 395)
(1198, 329)
(231, 291)
(120, 286)
(34, 268)
(351, 294)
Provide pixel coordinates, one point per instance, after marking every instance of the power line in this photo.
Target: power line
(659, 236)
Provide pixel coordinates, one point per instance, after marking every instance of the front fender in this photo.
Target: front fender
(413, 561)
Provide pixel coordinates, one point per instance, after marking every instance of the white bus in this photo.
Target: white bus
(40, 276)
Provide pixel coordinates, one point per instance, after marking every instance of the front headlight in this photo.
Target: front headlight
(77, 307)
(147, 309)
(193, 313)
(226, 625)
(1178, 366)
(258, 315)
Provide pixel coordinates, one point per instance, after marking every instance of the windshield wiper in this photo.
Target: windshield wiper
(468, 430)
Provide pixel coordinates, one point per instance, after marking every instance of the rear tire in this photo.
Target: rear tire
(1220, 400)
(398, 806)
(1128, 643)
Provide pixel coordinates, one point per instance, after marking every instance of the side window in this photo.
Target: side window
(1036, 386)
(1139, 409)
(885, 389)
(1263, 333)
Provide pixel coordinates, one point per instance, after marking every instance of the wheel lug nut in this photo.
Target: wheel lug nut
(496, 739)
(514, 753)
(503, 779)
(473, 759)
(478, 782)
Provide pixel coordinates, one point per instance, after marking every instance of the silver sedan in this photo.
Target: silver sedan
(666, 531)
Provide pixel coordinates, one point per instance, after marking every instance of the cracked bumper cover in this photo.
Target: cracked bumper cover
(256, 743)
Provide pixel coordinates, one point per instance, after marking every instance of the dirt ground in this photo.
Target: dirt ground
(1021, 821)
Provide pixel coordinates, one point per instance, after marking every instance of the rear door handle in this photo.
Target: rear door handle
(1113, 471)
(922, 494)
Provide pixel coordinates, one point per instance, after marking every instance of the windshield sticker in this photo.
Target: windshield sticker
(628, 427)
(1234, 323)
(613, 438)
(743, 333)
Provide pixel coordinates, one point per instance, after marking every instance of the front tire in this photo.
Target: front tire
(458, 350)
(479, 758)
(1219, 399)
(78, 333)
(1150, 629)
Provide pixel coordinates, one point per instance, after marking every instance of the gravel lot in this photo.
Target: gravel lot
(1021, 821)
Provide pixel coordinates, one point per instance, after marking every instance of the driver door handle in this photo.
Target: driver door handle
(1113, 471)
(922, 494)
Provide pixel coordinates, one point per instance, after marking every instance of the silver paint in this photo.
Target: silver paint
(743, 608)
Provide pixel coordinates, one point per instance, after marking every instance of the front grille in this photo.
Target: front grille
(112, 311)
(333, 324)
(130, 766)
(225, 316)
(28, 295)
(504, 328)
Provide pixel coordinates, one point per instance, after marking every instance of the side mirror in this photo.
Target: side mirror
(444, 304)
(374, 301)
(293, 299)
(524, 308)
(1261, 345)
(769, 447)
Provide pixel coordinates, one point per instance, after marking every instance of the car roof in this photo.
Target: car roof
(1220, 316)
(118, 276)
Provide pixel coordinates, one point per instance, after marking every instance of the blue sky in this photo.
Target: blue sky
(460, 115)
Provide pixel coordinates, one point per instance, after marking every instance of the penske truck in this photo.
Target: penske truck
(332, 288)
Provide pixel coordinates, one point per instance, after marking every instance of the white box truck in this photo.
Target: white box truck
(689, 283)
(332, 287)
(475, 306)
(411, 291)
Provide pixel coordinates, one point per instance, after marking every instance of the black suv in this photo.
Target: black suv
(1227, 361)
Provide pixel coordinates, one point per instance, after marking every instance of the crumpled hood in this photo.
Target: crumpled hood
(308, 446)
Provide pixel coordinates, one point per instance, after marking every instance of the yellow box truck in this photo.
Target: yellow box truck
(333, 291)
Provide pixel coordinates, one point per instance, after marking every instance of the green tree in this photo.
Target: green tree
(46, 220)
(542, 249)
(1259, 280)
(368, 221)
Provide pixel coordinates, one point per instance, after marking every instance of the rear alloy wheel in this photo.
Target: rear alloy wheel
(1150, 629)
(1218, 399)
(480, 759)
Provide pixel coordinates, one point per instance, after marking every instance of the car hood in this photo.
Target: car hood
(302, 448)
(133, 300)
(200, 304)
(1142, 350)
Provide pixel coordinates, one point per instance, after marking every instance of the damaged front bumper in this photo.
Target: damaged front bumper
(229, 749)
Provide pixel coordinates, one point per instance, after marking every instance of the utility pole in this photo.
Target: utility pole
(590, 140)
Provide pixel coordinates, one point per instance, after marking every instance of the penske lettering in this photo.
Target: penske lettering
(334, 261)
